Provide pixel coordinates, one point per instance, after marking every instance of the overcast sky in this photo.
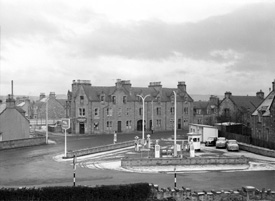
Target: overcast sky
(214, 46)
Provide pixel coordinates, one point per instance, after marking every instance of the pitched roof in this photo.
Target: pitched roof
(200, 104)
(264, 107)
(246, 103)
(94, 92)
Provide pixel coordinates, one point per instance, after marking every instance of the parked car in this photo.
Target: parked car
(211, 141)
(221, 142)
(232, 145)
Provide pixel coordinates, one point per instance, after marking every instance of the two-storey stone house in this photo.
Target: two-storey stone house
(96, 109)
(238, 109)
(263, 121)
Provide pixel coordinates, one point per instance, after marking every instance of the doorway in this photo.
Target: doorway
(119, 126)
(179, 123)
(81, 128)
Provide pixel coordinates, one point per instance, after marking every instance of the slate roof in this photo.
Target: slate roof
(264, 107)
(94, 92)
(201, 104)
(246, 103)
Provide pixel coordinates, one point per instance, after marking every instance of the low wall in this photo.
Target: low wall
(129, 162)
(22, 143)
(93, 150)
(257, 150)
(182, 194)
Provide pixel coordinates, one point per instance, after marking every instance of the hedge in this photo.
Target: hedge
(139, 192)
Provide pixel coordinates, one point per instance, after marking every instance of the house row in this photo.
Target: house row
(96, 109)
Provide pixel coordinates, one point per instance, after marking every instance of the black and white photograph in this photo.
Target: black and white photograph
(137, 100)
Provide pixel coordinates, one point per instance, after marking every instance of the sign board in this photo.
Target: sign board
(65, 123)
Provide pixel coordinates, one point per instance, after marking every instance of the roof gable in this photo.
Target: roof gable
(264, 107)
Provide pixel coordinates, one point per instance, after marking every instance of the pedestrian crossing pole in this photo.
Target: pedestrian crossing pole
(74, 167)
(175, 177)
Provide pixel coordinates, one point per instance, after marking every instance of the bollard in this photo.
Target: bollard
(249, 190)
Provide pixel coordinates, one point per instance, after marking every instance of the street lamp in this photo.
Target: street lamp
(143, 99)
(47, 114)
(175, 126)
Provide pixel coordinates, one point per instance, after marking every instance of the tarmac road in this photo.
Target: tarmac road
(36, 166)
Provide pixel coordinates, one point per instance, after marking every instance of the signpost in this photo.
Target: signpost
(65, 124)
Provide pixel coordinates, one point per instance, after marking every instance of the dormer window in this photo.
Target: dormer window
(102, 98)
(114, 99)
(124, 99)
(81, 99)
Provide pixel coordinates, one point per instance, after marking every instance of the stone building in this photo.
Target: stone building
(56, 109)
(96, 109)
(263, 121)
(13, 122)
(238, 109)
(206, 112)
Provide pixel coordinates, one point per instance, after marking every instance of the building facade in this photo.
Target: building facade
(206, 112)
(56, 109)
(95, 109)
(13, 122)
(263, 121)
(238, 109)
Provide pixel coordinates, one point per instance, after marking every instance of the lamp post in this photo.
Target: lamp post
(175, 125)
(47, 116)
(143, 99)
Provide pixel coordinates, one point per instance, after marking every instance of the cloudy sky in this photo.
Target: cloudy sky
(212, 45)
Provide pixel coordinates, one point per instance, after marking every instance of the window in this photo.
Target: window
(96, 111)
(226, 112)
(128, 111)
(158, 110)
(140, 111)
(109, 112)
(109, 125)
(128, 124)
(172, 110)
(185, 110)
(81, 112)
(102, 98)
(96, 125)
(199, 121)
(119, 112)
(114, 99)
(81, 99)
(185, 122)
(158, 122)
(124, 99)
(198, 111)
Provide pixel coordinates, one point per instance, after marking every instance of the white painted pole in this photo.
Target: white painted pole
(47, 114)
(143, 105)
(175, 124)
(65, 142)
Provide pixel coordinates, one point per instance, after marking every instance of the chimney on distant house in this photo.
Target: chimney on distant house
(42, 95)
(273, 85)
(227, 94)
(155, 85)
(52, 95)
(260, 94)
(182, 86)
(10, 102)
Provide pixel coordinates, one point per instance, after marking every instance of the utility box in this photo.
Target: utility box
(206, 131)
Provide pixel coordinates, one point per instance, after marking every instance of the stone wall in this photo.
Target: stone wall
(93, 150)
(182, 194)
(257, 150)
(129, 162)
(22, 143)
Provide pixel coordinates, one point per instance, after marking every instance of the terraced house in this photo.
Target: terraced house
(96, 109)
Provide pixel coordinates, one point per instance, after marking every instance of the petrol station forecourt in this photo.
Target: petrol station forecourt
(112, 160)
